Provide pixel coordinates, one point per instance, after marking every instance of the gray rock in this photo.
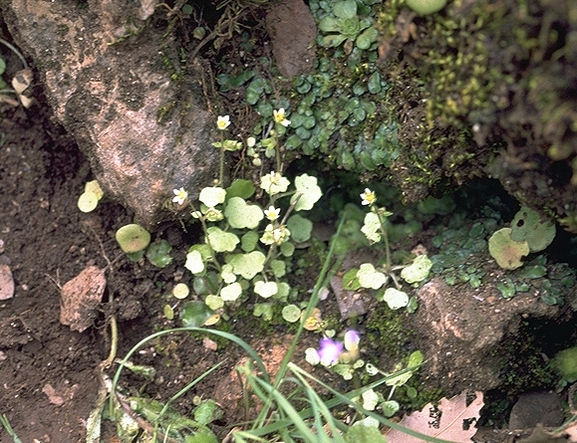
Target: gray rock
(293, 31)
(118, 86)
(461, 332)
(537, 407)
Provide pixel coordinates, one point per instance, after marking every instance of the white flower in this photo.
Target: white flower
(180, 196)
(280, 117)
(272, 213)
(250, 142)
(223, 122)
(368, 197)
(273, 183)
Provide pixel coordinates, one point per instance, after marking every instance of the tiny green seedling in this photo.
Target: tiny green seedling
(88, 200)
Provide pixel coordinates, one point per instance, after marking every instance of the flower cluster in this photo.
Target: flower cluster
(331, 351)
(274, 183)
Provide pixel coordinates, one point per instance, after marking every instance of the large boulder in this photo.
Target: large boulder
(118, 85)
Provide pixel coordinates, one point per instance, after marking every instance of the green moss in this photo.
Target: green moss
(384, 322)
(526, 369)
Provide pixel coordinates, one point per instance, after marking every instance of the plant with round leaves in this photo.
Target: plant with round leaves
(248, 245)
(376, 229)
(88, 200)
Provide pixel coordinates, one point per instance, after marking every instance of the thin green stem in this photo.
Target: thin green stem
(221, 167)
(385, 238)
(15, 51)
(327, 271)
(277, 149)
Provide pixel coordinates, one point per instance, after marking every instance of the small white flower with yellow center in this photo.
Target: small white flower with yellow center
(222, 122)
(280, 117)
(180, 196)
(272, 213)
(368, 197)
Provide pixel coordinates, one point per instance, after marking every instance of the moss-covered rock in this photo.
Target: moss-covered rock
(486, 87)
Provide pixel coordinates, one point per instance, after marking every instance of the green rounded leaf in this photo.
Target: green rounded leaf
(528, 226)
(214, 302)
(94, 187)
(194, 262)
(266, 290)
(278, 268)
(367, 38)
(248, 265)
(180, 291)
(240, 188)
(242, 215)
(231, 292)
(287, 249)
(158, 253)
(345, 9)
(87, 202)
(308, 190)
(291, 313)
(425, 7)
(390, 408)
(263, 310)
(220, 240)
(212, 196)
(395, 299)
(369, 277)
(332, 41)
(506, 251)
(328, 24)
(249, 241)
(168, 312)
(195, 313)
(254, 90)
(418, 270)
(536, 271)
(132, 238)
(300, 228)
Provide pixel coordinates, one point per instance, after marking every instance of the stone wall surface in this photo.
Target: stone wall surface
(119, 88)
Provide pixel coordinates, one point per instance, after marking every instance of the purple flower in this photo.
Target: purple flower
(330, 351)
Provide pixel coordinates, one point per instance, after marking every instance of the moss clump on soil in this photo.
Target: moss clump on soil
(384, 322)
(528, 369)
